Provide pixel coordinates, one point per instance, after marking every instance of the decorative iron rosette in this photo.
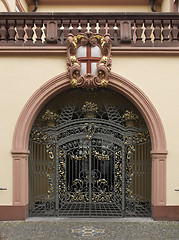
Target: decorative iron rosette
(103, 66)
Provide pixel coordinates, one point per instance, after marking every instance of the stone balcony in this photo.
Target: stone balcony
(128, 31)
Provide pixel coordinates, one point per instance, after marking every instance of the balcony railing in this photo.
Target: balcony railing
(126, 29)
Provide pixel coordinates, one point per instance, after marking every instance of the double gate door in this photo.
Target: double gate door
(89, 174)
(91, 179)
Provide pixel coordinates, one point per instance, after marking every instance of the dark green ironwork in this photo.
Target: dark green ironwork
(89, 157)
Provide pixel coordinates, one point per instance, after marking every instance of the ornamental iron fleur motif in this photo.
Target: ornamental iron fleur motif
(90, 109)
(103, 66)
(130, 118)
(101, 156)
(89, 129)
(82, 154)
(141, 137)
(50, 117)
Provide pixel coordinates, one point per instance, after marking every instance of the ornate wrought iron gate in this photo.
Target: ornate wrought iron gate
(89, 160)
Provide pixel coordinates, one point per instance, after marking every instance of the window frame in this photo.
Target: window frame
(89, 59)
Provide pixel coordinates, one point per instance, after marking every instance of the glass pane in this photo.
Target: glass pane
(81, 51)
(83, 68)
(94, 68)
(95, 51)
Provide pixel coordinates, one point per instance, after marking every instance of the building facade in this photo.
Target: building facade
(89, 96)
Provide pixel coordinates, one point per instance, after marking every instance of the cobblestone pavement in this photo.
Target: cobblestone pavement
(88, 229)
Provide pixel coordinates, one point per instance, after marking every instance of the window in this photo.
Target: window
(89, 56)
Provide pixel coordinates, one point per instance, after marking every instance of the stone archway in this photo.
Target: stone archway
(52, 88)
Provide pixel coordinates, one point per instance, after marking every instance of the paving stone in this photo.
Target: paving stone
(88, 229)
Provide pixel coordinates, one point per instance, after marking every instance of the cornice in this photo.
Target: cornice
(94, 2)
(63, 50)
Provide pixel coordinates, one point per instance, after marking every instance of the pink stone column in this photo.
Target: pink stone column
(20, 177)
(158, 178)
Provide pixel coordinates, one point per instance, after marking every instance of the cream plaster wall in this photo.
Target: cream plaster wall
(91, 8)
(156, 75)
(2, 7)
(165, 7)
(20, 78)
(12, 4)
(24, 4)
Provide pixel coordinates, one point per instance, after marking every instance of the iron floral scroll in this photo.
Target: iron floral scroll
(103, 66)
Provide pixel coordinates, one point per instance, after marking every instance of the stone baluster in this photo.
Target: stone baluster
(138, 32)
(97, 28)
(70, 27)
(3, 32)
(93, 25)
(166, 32)
(116, 34)
(111, 30)
(79, 27)
(102, 25)
(175, 32)
(74, 24)
(157, 32)
(132, 31)
(59, 31)
(83, 25)
(44, 32)
(20, 31)
(170, 32)
(11, 31)
(66, 30)
(148, 32)
(29, 31)
(118, 25)
(38, 31)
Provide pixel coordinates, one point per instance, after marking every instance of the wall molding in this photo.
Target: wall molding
(63, 50)
(93, 2)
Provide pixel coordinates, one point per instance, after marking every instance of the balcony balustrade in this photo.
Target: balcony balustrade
(147, 30)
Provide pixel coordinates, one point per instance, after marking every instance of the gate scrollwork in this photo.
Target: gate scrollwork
(92, 161)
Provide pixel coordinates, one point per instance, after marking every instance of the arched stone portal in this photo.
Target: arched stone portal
(60, 83)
